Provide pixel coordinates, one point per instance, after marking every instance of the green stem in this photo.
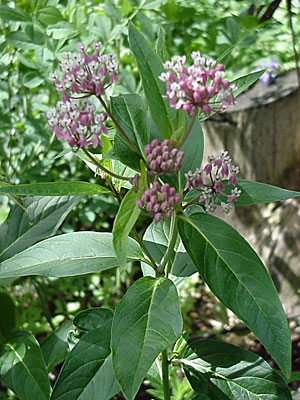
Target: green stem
(120, 129)
(146, 251)
(173, 237)
(100, 166)
(188, 129)
(165, 375)
(191, 202)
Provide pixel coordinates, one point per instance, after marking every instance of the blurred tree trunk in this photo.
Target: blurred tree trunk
(262, 135)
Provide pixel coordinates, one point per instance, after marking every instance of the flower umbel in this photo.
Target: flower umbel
(209, 181)
(159, 201)
(200, 85)
(163, 158)
(76, 121)
(86, 74)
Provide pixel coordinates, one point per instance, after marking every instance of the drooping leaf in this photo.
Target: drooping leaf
(226, 372)
(87, 373)
(23, 369)
(150, 67)
(146, 321)
(256, 193)
(55, 347)
(92, 318)
(8, 317)
(125, 219)
(41, 219)
(68, 255)
(236, 275)
(54, 189)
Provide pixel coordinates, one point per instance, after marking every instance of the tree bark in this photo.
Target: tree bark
(262, 135)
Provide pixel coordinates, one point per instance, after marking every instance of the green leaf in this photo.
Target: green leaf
(62, 30)
(161, 48)
(31, 80)
(54, 189)
(92, 318)
(87, 373)
(22, 40)
(150, 67)
(226, 372)
(42, 218)
(193, 149)
(256, 193)
(156, 239)
(68, 255)
(152, 4)
(146, 321)
(125, 219)
(130, 113)
(55, 347)
(22, 367)
(236, 275)
(8, 317)
(125, 153)
(49, 15)
(14, 14)
(245, 81)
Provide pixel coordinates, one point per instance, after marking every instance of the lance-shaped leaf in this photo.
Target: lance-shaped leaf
(237, 276)
(23, 369)
(87, 373)
(129, 111)
(55, 347)
(146, 321)
(150, 67)
(256, 192)
(54, 189)
(126, 218)
(242, 83)
(68, 255)
(41, 219)
(226, 372)
(253, 193)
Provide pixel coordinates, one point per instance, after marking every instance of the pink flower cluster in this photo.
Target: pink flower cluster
(159, 201)
(76, 121)
(86, 74)
(162, 158)
(215, 171)
(198, 86)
